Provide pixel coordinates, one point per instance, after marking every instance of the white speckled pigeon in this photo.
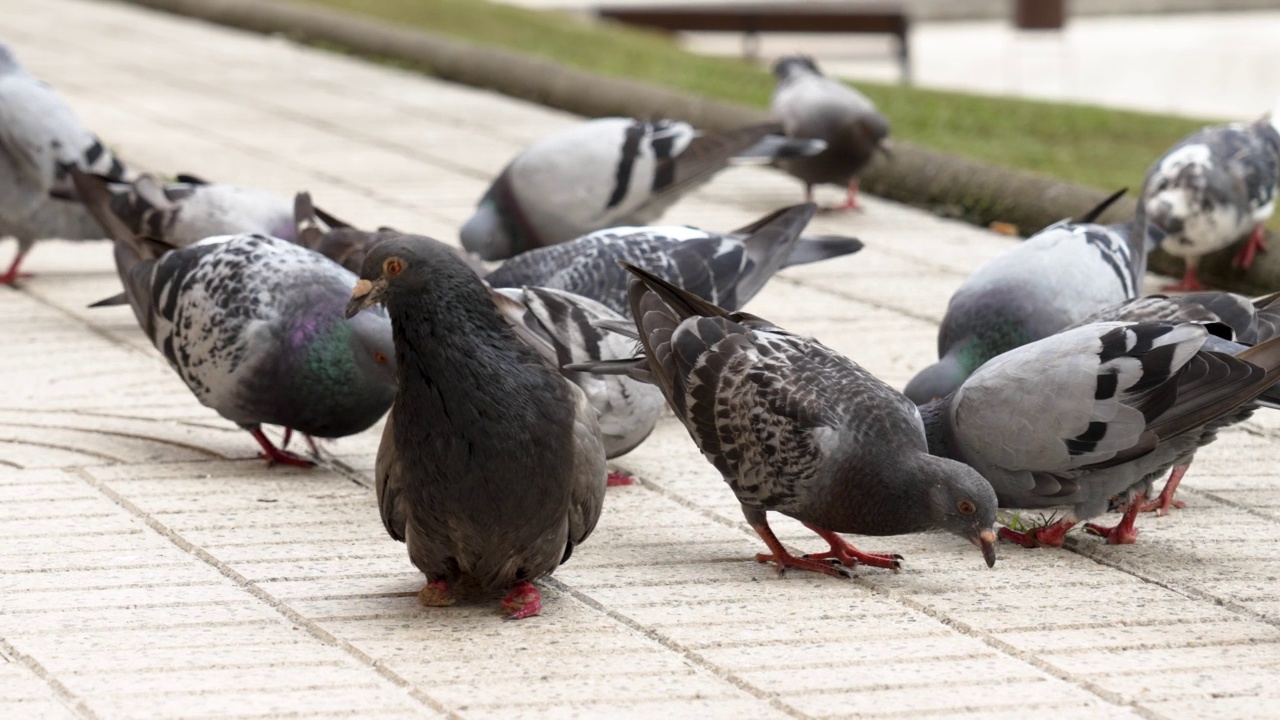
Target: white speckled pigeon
(603, 173)
(1049, 281)
(254, 326)
(1070, 421)
(724, 268)
(1214, 187)
(491, 465)
(1249, 322)
(39, 134)
(811, 105)
(798, 429)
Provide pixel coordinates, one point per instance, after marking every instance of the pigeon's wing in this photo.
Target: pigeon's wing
(700, 157)
(1075, 399)
(587, 488)
(1213, 385)
(1253, 167)
(1268, 316)
(389, 483)
(1229, 315)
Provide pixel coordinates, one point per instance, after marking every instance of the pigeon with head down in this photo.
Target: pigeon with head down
(491, 466)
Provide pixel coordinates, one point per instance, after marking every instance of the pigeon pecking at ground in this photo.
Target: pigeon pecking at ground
(1071, 421)
(798, 429)
(1249, 322)
(1213, 188)
(1051, 280)
(254, 326)
(491, 465)
(811, 105)
(604, 173)
(39, 136)
(725, 268)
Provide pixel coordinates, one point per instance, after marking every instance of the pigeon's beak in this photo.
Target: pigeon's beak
(365, 294)
(986, 542)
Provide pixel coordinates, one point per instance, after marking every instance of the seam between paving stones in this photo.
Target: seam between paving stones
(279, 606)
(69, 699)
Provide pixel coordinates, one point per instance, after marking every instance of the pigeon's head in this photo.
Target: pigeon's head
(405, 267)
(486, 235)
(938, 380)
(1180, 188)
(962, 502)
(795, 65)
(375, 352)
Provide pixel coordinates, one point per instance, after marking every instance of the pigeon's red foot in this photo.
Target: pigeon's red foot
(1256, 243)
(1048, 536)
(436, 594)
(1124, 533)
(850, 200)
(523, 601)
(1165, 501)
(779, 556)
(847, 555)
(273, 454)
(1190, 282)
(12, 275)
(617, 478)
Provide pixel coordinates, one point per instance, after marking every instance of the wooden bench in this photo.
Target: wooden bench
(751, 19)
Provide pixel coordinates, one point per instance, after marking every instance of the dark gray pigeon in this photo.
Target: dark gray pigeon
(604, 173)
(1071, 421)
(811, 105)
(254, 326)
(725, 268)
(1241, 320)
(1051, 280)
(565, 328)
(490, 466)
(39, 135)
(1213, 188)
(798, 429)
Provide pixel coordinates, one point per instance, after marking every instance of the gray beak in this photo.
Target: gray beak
(986, 542)
(365, 294)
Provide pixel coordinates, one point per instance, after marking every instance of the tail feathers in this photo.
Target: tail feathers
(810, 249)
(120, 299)
(769, 244)
(95, 192)
(636, 368)
(307, 230)
(1268, 318)
(779, 147)
(681, 302)
(625, 328)
(1096, 212)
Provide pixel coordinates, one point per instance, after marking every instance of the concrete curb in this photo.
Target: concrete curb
(975, 191)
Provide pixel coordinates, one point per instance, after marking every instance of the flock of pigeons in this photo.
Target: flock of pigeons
(1058, 387)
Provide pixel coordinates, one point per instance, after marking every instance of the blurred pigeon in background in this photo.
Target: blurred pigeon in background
(811, 105)
(1213, 188)
(605, 173)
(491, 465)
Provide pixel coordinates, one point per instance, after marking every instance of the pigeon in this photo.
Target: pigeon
(254, 326)
(1247, 321)
(811, 105)
(796, 428)
(604, 173)
(39, 135)
(1213, 188)
(491, 465)
(1074, 419)
(567, 329)
(725, 268)
(1040, 286)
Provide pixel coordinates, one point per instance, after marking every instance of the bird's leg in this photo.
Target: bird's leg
(1256, 243)
(1190, 282)
(1124, 533)
(436, 594)
(1050, 535)
(273, 454)
(851, 196)
(523, 601)
(808, 193)
(311, 443)
(779, 556)
(617, 477)
(288, 435)
(845, 554)
(1162, 504)
(12, 275)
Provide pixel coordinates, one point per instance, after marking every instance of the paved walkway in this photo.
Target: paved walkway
(150, 567)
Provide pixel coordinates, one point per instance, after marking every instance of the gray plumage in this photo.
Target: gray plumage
(1053, 279)
(39, 136)
(1213, 188)
(794, 427)
(565, 329)
(811, 105)
(601, 173)
(491, 465)
(254, 326)
(725, 268)
(1076, 418)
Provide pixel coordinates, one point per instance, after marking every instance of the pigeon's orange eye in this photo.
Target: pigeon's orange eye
(966, 508)
(392, 267)
(380, 358)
